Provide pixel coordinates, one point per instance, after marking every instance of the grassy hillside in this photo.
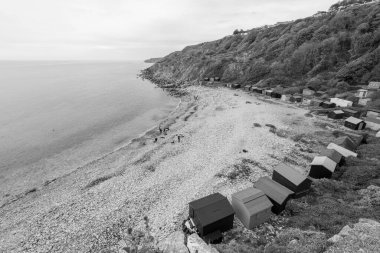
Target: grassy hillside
(329, 51)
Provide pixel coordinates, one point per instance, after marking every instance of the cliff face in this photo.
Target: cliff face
(330, 50)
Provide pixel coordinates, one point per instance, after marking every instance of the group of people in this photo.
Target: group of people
(164, 131)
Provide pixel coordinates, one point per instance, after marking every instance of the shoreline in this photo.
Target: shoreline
(157, 180)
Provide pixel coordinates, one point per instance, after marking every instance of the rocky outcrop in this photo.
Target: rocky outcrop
(174, 243)
(196, 245)
(363, 236)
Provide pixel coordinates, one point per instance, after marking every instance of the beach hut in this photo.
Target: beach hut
(337, 114)
(295, 99)
(211, 79)
(322, 167)
(291, 179)
(235, 86)
(378, 134)
(316, 102)
(306, 101)
(326, 104)
(285, 97)
(268, 92)
(251, 206)
(206, 79)
(276, 95)
(253, 88)
(342, 150)
(354, 123)
(259, 90)
(341, 102)
(361, 93)
(333, 155)
(277, 193)
(346, 142)
(351, 113)
(211, 214)
(247, 87)
(217, 79)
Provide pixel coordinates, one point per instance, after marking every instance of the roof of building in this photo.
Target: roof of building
(350, 110)
(290, 173)
(338, 112)
(373, 110)
(354, 120)
(253, 199)
(374, 85)
(273, 190)
(332, 154)
(211, 208)
(372, 120)
(325, 162)
(345, 142)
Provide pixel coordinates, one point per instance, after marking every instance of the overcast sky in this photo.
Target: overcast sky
(130, 30)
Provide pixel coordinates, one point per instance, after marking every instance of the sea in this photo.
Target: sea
(61, 115)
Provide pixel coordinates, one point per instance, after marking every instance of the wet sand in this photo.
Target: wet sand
(92, 208)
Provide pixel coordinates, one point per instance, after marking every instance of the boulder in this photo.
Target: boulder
(364, 236)
(196, 245)
(174, 243)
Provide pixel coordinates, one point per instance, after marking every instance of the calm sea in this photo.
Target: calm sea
(64, 114)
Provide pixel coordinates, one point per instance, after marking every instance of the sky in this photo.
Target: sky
(131, 30)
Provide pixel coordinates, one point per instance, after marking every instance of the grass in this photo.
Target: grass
(242, 170)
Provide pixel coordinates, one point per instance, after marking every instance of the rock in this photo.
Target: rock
(174, 243)
(363, 237)
(196, 244)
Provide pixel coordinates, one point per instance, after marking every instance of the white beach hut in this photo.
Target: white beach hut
(341, 102)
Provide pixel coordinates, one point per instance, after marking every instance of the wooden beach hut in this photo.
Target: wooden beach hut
(211, 214)
(277, 193)
(322, 167)
(217, 78)
(206, 79)
(291, 179)
(346, 142)
(336, 114)
(355, 123)
(326, 104)
(276, 95)
(247, 87)
(316, 102)
(268, 92)
(251, 206)
(235, 86)
(285, 97)
(295, 99)
(259, 90)
(333, 155)
(342, 150)
(351, 113)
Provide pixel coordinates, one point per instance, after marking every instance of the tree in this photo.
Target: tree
(236, 32)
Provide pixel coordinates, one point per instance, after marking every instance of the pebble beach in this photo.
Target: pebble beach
(156, 175)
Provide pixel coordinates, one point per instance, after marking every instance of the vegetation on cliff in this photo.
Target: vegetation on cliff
(329, 51)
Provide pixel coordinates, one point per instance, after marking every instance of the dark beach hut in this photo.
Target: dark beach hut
(291, 179)
(251, 206)
(277, 193)
(333, 155)
(217, 79)
(326, 104)
(276, 95)
(351, 113)
(235, 86)
(259, 90)
(316, 102)
(247, 87)
(322, 167)
(354, 123)
(345, 142)
(336, 114)
(253, 88)
(206, 79)
(295, 99)
(211, 214)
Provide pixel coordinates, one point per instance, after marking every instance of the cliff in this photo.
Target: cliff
(327, 51)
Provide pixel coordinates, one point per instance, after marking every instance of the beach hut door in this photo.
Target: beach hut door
(360, 126)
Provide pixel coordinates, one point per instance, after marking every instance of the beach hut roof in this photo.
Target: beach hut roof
(354, 120)
(254, 200)
(350, 110)
(211, 208)
(339, 112)
(290, 173)
(332, 154)
(346, 142)
(325, 162)
(273, 190)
